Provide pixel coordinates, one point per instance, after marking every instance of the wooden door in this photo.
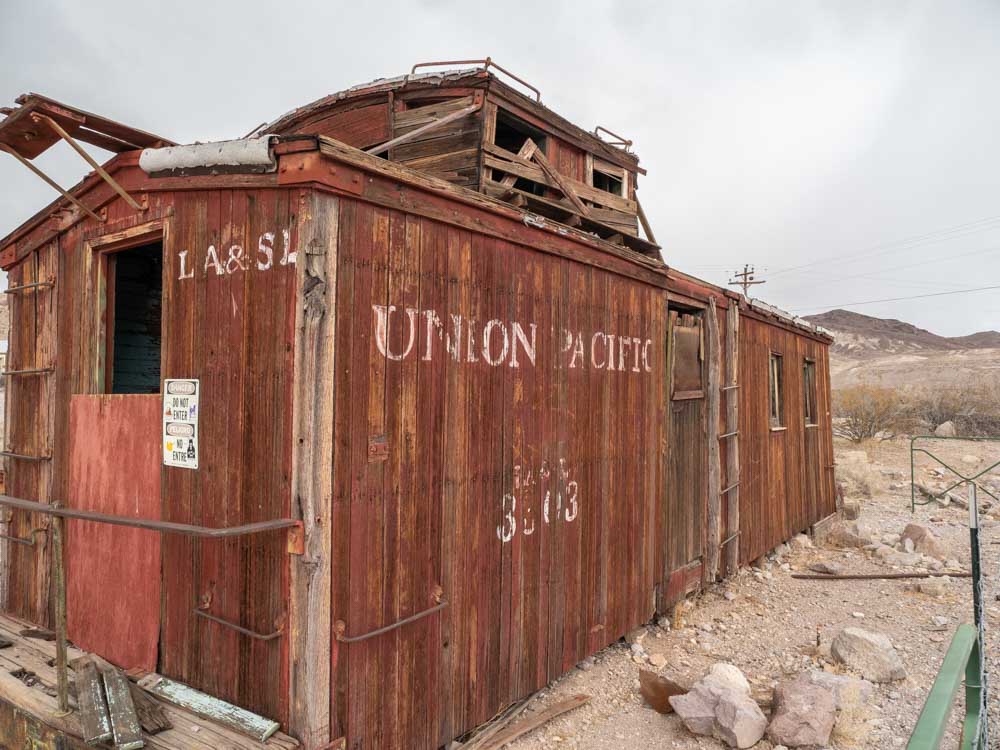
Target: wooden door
(113, 572)
(686, 456)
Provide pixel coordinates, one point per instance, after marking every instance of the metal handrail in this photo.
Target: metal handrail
(166, 527)
(487, 64)
(621, 141)
(25, 287)
(961, 660)
(340, 627)
(23, 457)
(962, 478)
(32, 371)
(239, 628)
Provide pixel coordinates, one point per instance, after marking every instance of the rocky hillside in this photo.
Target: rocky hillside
(861, 336)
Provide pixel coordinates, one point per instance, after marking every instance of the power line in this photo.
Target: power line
(896, 299)
(939, 235)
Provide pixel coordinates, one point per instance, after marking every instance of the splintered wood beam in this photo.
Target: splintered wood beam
(525, 152)
(50, 182)
(91, 707)
(413, 134)
(88, 158)
(124, 720)
(557, 178)
(644, 221)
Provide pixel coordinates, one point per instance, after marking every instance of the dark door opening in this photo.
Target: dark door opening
(134, 304)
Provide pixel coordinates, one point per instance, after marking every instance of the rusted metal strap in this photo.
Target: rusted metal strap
(26, 541)
(730, 487)
(732, 387)
(23, 457)
(728, 539)
(166, 527)
(340, 627)
(35, 371)
(238, 628)
(26, 287)
(729, 434)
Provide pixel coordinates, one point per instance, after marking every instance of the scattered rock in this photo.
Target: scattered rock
(858, 615)
(636, 636)
(906, 559)
(658, 660)
(657, 691)
(851, 510)
(946, 429)
(849, 534)
(940, 621)
(936, 587)
(922, 540)
(847, 691)
(587, 664)
(801, 541)
(827, 568)
(804, 714)
(729, 596)
(871, 654)
(720, 706)
(970, 460)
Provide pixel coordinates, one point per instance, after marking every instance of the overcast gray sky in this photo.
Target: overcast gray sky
(778, 133)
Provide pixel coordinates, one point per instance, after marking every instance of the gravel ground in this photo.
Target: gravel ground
(767, 623)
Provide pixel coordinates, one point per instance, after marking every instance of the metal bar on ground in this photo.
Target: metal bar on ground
(88, 158)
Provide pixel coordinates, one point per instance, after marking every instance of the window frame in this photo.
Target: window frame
(776, 391)
(809, 393)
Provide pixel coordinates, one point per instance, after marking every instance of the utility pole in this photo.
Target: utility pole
(745, 279)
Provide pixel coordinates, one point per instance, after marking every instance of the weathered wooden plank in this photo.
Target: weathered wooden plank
(95, 720)
(152, 718)
(124, 720)
(209, 707)
(309, 616)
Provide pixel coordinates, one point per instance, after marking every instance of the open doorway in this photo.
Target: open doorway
(134, 318)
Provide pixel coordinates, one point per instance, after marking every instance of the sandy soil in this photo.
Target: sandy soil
(769, 624)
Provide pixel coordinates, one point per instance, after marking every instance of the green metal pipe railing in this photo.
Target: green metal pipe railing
(962, 478)
(961, 661)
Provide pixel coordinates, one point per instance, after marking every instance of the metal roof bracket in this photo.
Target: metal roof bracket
(61, 132)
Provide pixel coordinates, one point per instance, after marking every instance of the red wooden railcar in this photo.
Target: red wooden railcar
(463, 423)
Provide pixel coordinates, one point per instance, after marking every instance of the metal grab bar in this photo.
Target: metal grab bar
(25, 287)
(28, 541)
(239, 628)
(35, 371)
(340, 626)
(23, 457)
(487, 64)
(166, 527)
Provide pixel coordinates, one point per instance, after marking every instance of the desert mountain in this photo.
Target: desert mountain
(860, 336)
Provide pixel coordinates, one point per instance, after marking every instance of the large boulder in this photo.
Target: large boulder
(804, 714)
(847, 691)
(720, 706)
(870, 654)
(946, 429)
(923, 541)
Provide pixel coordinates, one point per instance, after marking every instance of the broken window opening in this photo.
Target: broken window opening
(511, 134)
(687, 377)
(809, 392)
(777, 391)
(607, 182)
(134, 304)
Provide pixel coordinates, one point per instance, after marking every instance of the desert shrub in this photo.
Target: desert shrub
(866, 412)
(974, 408)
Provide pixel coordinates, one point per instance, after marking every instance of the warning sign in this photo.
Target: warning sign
(180, 423)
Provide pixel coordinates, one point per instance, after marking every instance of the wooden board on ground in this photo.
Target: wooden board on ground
(124, 721)
(212, 708)
(533, 722)
(94, 717)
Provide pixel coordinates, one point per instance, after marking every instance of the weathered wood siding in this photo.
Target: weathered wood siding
(786, 483)
(517, 484)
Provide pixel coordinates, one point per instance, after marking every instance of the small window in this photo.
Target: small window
(607, 182)
(686, 378)
(777, 390)
(134, 301)
(809, 391)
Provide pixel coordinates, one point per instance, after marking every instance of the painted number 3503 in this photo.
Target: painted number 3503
(530, 484)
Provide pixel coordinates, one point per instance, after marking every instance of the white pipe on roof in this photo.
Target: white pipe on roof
(251, 153)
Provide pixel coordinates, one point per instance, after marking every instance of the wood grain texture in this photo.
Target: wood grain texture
(115, 457)
(312, 466)
(713, 393)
